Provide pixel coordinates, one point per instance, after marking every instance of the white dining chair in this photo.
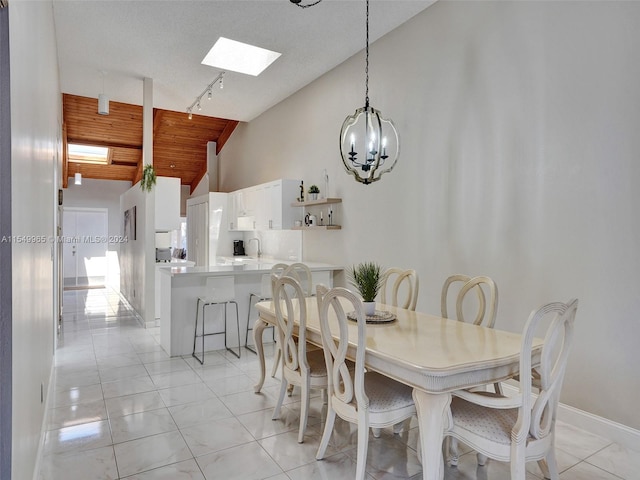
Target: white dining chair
(521, 428)
(302, 273)
(485, 315)
(299, 367)
(400, 281)
(365, 398)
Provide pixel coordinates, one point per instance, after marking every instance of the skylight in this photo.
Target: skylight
(88, 154)
(239, 57)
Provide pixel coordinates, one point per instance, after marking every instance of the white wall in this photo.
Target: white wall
(35, 123)
(102, 194)
(518, 124)
(134, 258)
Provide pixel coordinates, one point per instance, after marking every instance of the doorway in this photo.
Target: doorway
(84, 247)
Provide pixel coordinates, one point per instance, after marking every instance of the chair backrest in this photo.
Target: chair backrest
(401, 280)
(537, 418)
(485, 314)
(290, 305)
(276, 271)
(220, 289)
(342, 387)
(302, 273)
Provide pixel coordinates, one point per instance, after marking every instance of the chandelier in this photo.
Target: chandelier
(301, 4)
(369, 143)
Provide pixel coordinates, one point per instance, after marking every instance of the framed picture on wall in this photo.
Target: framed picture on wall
(130, 223)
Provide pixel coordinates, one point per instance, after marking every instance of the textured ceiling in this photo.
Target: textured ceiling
(167, 40)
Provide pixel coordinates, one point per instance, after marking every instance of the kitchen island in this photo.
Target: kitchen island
(181, 286)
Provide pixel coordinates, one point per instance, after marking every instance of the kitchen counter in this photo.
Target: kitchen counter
(180, 287)
(236, 265)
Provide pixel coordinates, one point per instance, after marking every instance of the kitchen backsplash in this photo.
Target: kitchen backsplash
(282, 244)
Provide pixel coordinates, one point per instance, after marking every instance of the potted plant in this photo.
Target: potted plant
(148, 178)
(367, 278)
(313, 192)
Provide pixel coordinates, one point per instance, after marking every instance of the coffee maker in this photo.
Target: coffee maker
(238, 247)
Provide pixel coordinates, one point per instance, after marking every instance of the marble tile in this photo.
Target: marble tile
(96, 463)
(335, 467)
(120, 373)
(81, 437)
(203, 411)
(233, 464)
(76, 395)
(128, 404)
(288, 453)
(186, 394)
(468, 469)
(618, 460)
(155, 356)
(577, 442)
(175, 379)
(229, 385)
(212, 358)
(137, 456)
(70, 415)
(585, 470)
(118, 361)
(213, 436)
(260, 424)
(143, 424)
(247, 402)
(167, 366)
(128, 386)
(68, 381)
(216, 372)
(187, 470)
(564, 460)
(389, 458)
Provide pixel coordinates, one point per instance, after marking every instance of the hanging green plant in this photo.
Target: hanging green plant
(148, 178)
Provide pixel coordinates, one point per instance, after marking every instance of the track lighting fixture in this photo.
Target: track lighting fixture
(103, 100)
(208, 91)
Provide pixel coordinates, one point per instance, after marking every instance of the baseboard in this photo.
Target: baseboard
(45, 424)
(623, 435)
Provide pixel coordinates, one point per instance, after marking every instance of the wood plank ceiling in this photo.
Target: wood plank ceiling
(179, 144)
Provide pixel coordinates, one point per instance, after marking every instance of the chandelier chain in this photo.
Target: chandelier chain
(366, 68)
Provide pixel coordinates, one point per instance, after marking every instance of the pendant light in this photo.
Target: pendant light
(103, 100)
(369, 143)
(77, 179)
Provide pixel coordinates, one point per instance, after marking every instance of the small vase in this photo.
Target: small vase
(313, 196)
(369, 308)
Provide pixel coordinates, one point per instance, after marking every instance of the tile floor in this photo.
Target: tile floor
(122, 408)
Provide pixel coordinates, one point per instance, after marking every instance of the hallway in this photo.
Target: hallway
(121, 408)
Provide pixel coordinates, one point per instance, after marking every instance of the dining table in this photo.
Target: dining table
(434, 355)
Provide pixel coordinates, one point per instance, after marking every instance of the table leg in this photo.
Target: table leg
(431, 408)
(258, 328)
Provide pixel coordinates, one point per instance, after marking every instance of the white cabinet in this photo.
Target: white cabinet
(167, 200)
(264, 207)
(208, 235)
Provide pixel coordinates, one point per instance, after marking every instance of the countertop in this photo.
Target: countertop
(241, 265)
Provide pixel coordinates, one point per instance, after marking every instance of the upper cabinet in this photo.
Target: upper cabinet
(167, 214)
(264, 207)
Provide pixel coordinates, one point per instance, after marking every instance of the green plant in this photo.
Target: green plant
(367, 278)
(148, 178)
(314, 189)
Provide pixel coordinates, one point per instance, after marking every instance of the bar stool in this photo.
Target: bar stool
(221, 291)
(265, 294)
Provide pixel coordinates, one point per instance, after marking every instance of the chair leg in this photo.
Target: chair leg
(482, 459)
(304, 411)
(246, 336)
(226, 304)
(326, 434)
(195, 333)
(363, 446)
(276, 359)
(376, 432)
(452, 452)
(276, 410)
(549, 465)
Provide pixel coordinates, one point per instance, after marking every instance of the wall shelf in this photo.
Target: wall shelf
(312, 205)
(320, 201)
(318, 227)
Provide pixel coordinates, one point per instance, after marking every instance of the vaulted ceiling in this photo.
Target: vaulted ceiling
(179, 144)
